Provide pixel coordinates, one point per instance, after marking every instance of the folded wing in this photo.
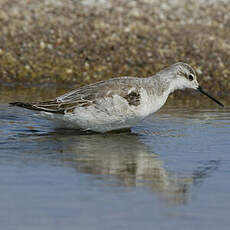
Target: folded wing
(126, 87)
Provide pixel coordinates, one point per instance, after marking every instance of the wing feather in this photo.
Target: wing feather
(126, 87)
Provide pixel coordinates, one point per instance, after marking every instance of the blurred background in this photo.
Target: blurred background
(63, 44)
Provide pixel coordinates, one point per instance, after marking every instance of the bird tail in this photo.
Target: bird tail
(22, 104)
(48, 106)
(31, 106)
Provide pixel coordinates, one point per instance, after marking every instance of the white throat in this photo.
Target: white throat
(177, 84)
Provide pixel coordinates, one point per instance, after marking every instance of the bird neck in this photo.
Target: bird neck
(176, 84)
(159, 85)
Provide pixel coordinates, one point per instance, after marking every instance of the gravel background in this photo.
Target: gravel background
(68, 43)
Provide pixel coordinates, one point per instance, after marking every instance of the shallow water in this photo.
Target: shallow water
(170, 172)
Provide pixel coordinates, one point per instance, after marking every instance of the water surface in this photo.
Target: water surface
(170, 172)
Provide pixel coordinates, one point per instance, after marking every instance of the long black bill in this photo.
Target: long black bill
(202, 91)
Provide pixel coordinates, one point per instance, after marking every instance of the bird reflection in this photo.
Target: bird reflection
(121, 158)
(124, 157)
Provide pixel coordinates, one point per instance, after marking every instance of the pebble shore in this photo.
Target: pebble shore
(69, 43)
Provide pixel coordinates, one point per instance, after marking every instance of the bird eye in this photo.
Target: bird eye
(190, 77)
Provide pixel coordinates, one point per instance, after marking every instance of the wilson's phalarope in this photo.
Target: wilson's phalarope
(117, 103)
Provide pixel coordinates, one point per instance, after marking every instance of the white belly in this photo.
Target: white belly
(108, 114)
